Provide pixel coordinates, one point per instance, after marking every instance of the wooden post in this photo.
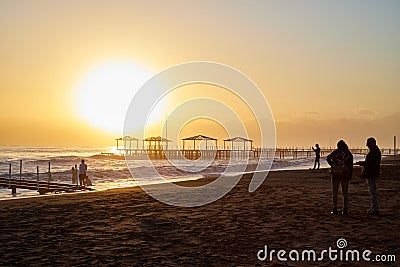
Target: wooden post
(37, 173)
(77, 175)
(9, 176)
(166, 131)
(49, 178)
(20, 170)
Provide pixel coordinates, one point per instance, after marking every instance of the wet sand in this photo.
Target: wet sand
(291, 210)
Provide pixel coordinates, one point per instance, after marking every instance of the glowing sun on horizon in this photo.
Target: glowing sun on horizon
(105, 92)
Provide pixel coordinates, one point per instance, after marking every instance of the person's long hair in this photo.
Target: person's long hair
(342, 145)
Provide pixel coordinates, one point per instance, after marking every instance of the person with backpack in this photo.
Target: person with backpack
(341, 162)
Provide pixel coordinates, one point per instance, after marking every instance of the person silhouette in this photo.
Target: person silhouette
(76, 174)
(317, 151)
(371, 172)
(341, 162)
(73, 172)
(82, 172)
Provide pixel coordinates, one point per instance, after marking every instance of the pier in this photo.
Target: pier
(158, 148)
(41, 187)
(194, 154)
(34, 181)
(237, 148)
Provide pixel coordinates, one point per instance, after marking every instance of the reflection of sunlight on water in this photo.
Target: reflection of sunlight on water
(133, 183)
(5, 193)
(115, 184)
(113, 150)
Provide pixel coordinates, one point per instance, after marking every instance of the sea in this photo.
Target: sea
(107, 172)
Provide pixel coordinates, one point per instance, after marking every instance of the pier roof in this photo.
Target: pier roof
(126, 137)
(158, 139)
(238, 139)
(199, 137)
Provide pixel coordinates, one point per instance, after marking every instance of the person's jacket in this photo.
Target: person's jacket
(342, 157)
(372, 164)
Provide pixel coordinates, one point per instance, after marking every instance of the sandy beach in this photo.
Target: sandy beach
(98, 96)
(291, 210)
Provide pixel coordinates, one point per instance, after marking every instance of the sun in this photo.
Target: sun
(105, 91)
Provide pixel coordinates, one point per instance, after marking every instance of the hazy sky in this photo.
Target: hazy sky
(329, 69)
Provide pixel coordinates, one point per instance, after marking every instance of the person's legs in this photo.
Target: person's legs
(374, 194)
(315, 163)
(345, 192)
(335, 189)
(318, 163)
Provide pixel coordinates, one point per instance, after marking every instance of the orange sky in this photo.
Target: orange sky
(328, 69)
